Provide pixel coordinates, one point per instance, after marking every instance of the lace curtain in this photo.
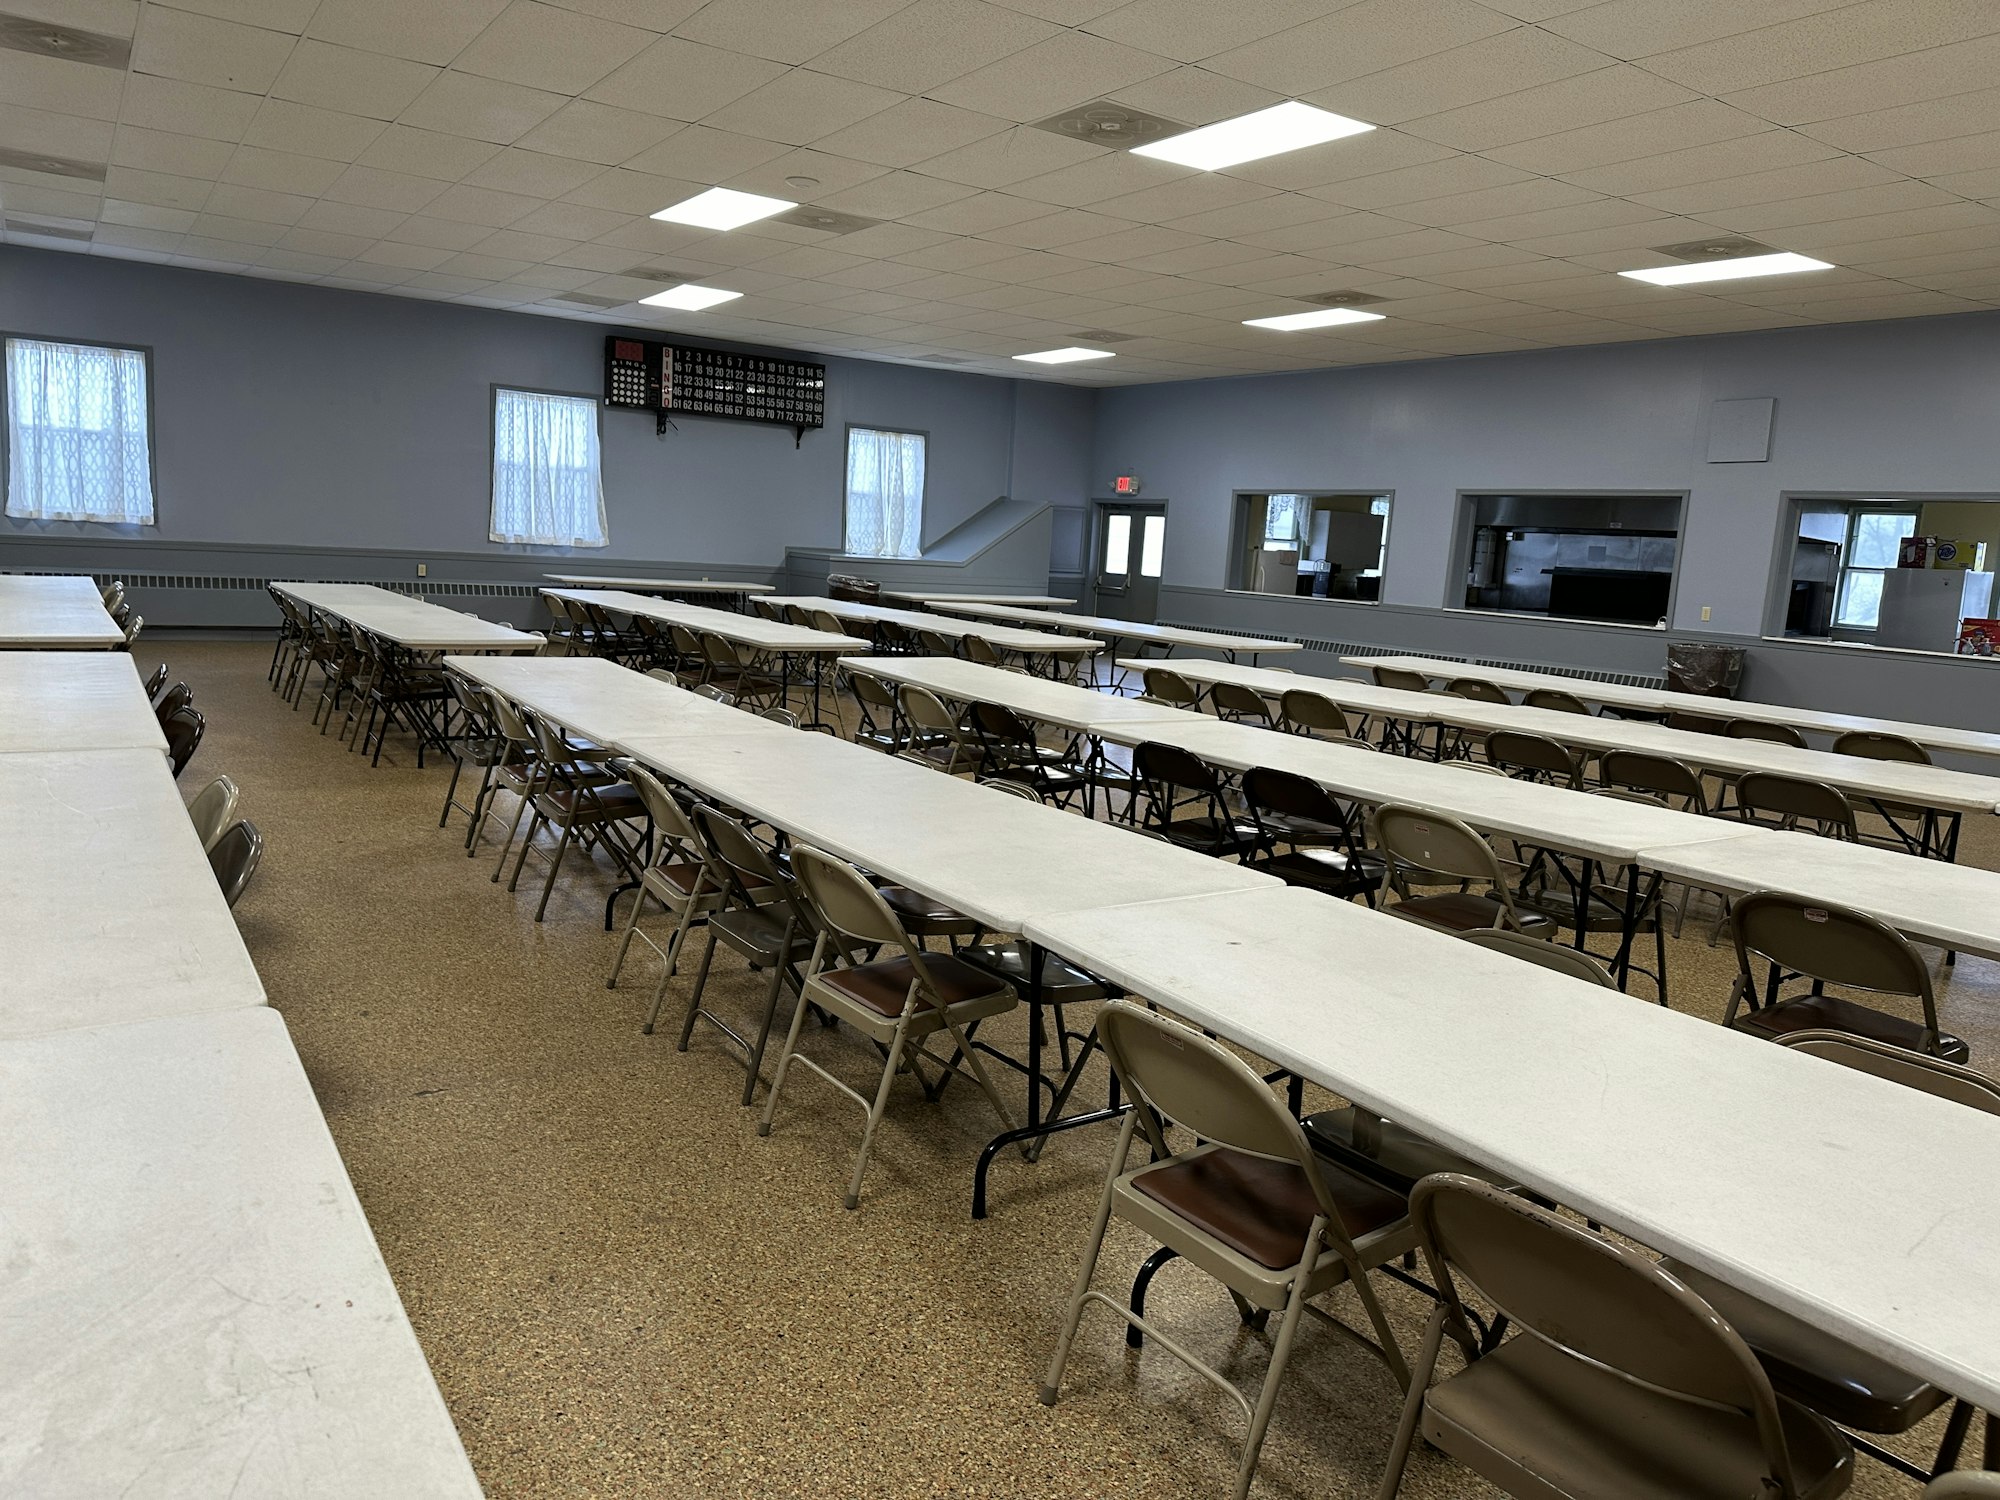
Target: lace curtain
(547, 488)
(77, 445)
(885, 493)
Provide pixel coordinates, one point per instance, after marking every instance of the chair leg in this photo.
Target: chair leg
(562, 848)
(764, 1031)
(1413, 1406)
(694, 999)
(535, 823)
(785, 1054)
(890, 1066)
(625, 943)
(1051, 1388)
(671, 964)
(1267, 1398)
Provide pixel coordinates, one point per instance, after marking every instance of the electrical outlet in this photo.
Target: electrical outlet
(424, 571)
(1706, 612)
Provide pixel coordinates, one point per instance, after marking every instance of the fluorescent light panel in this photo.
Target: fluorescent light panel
(1065, 356)
(724, 208)
(689, 298)
(1268, 132)
(1784, 263)
(1325, 318)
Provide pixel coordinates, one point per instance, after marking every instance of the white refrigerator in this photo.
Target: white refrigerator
(1921, 607)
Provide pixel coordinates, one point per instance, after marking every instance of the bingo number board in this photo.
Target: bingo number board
(640, 375)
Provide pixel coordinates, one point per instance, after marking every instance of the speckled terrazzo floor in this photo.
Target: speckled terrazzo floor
(624, 1292)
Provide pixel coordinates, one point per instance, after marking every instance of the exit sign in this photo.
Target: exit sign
(1125, 484)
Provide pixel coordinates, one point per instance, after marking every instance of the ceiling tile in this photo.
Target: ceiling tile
(542, 47)
(426, 153)
(801, 106)
(314, 241)
(1012, 156)
(345, 218)
(276, 15)
(374, 188)
(439, 234)
(1069, 68)
(912, 131)
(1885, 198)
(1834, 38)
(1485, 69)
(1194, 96)
(932, 42)
(787, 31)
(834, 174)
(1237, 220)
(350, 81)
(627, 192)
(1893, 81)
(1642, 28)
(1596, 213)
(1342, 161)
(533, 174)
(571, 221)
(1933, 119)
(146, 216)
(471, 205)
(162, 151)
(1611, 93)
(1653, 132)
(305, 130)
(895, 195)
(1106, 175)
(238, 231)
(1767, 151)
(30, 81)
(187, 108)
(1190, 30)
(531, 249)
(257, 204)
(1355, 41)
(280, 171)
(434, 32)
(69, 136)
(684, 80)
(485, 109)
(586, 131)
(1967, 153)
(695, 153)
(1435, 179)
(1200, 193)
(200, 49)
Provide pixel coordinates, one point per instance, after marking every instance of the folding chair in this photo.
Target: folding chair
(212, 811)
(234, 858)
(1439, 848)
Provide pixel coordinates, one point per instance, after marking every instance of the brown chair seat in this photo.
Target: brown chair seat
(1832, 1013)
(684, 877)
(883, 987)
(1328, 870)
(1262, 1208)
(609, 804)
(927, 917)
(1837, 1380)
(1385, 1152)
(1466, 911)
(1288, 828)
(1559, 1411)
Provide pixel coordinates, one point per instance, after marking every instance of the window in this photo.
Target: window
(1873, 540)
(1317, 543)
(547, 488)
(78, 440)
(1572, 556)
(885, 494)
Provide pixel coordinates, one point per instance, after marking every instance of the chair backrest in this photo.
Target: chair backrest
(1833, 944)
(234, 858)
(979, 649)
(1291, 795)
(675, 838)
(1169, 686)
(157, 681)
(474, 703)
(1019, 789)
(1235, 700)
(715, 694)
(1757, 729)
(782, 716)
(1608, 1305)
(845, 901)
(1794, 800)
(828, 621)
(999, 727)
(1171, 766)
(509, 720)
(132, 628)
(183, 730)
(1303, 709)
(1659, 774)
(1966, 1484)
(720, 651)
(871, 690)
(1477, 689)
(1873, 746)
(1917, 1070)
(799, 615)
(174, 699)
(111, 593)
(1434, 843)
(1560, 957)
(1536, 754)
(211, 810)
(768, 610)
(1400, 679)
(1556, 699)
(936, 643)
(926, 710)
(687, 644)
(1184, 1077)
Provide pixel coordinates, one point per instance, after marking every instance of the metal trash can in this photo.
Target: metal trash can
(851, 590)
(1712, 671)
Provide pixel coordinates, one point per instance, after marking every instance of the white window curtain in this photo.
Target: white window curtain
(547, 486)
(77, 441)
(885, 493)
(1284, 521)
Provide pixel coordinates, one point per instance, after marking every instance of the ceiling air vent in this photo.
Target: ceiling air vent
(1722, 247)
(1104, 336)
(1342, 299)
(585, 299)
(55, 166)
(660, 273)
(23, 34)
(1108, 124)
(946, 359)
(826, 220)
(48, 231)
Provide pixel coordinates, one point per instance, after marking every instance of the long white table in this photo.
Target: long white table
(191, 1303)
(1080, 709)
(603, 701)
(661, 585)
(409, 623)
(1042, 643)
(48, 612)
(1168, 636)
(71, 700)
(744, 630)
(110, 909)
(1023, 601)
(1658, 701)
(1868, 1209)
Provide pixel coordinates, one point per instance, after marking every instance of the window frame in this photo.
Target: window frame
(1466, 523)
(1241, 497)
(596, 400)
(1784, 551)
(1856, 509)
(145, 351)
(924, 537)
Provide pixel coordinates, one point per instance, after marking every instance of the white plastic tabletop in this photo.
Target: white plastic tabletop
(1025, 641)
(662, 585)
(1125, 630)
(1655, 700)
(54, 613)
(192, 1303)
(1866, 1208)
(743, 630)
(942, 601)
(1036, 698)
(75, 700)
(112, 912)
(602, 701)
(408, 622)
(1932, 900)
(1900, 781)
(997, 858)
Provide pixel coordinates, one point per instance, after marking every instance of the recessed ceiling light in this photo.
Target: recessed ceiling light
(1065, 356)
(1268, 132)
(1326, 318)
(689, 298)
(1783, 263)
(724, 208)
